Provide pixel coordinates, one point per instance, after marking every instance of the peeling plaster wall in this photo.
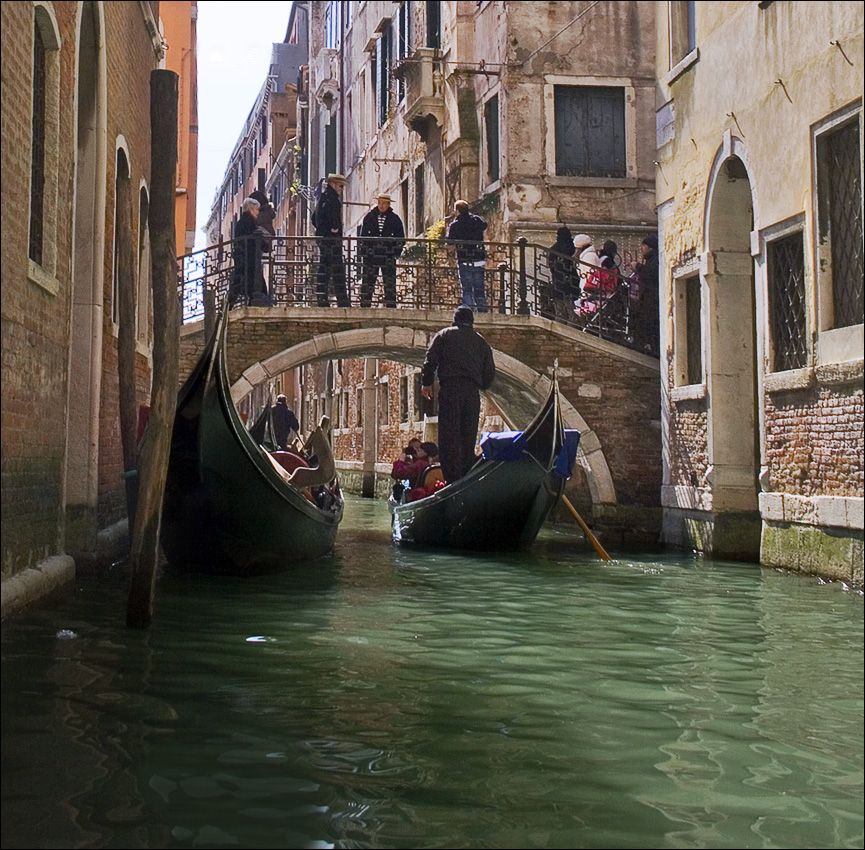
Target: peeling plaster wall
(759, 82)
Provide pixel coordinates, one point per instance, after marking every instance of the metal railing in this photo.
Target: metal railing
(309, 271)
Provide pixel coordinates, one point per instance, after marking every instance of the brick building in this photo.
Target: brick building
(75, 163)
(760, 211)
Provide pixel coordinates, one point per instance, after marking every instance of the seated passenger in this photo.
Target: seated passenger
(406, 470)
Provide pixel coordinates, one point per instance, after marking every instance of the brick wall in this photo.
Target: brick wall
(36, 322)
(814, 441)
(129, 60)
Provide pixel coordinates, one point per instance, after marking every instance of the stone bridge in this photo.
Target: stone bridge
(611, 393)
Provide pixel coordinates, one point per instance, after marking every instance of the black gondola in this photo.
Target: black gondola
(499, 505)
(229, 506)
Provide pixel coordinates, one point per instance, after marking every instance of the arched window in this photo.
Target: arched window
(44, 147)
(122, 270)
(37, 148)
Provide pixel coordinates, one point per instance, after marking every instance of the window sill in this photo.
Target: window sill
(690, 392)
(833, 374)
(593, 182)
(794, 379)
(37, 275)
(681, 66)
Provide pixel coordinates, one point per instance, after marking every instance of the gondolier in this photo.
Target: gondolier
(463, 360)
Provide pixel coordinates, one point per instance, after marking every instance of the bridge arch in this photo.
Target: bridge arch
(518, 389)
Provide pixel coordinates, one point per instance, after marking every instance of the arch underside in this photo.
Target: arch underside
(518, 390)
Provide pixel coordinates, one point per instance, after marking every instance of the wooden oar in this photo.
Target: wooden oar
(602, 553)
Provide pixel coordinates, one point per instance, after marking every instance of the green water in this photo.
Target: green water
(386, 698)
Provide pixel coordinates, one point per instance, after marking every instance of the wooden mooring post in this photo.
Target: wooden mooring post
(156, 444)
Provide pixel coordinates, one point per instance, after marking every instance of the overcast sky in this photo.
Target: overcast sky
(234, 46)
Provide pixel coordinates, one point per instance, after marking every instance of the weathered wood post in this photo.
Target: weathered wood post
(166, 347)
(124, 253)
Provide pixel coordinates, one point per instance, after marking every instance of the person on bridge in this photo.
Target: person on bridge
(646, 330)
(463, 360)
(467, 231)
(381, 251)
(327, 221)
(285, 424)
(247, 282)
(557, 299)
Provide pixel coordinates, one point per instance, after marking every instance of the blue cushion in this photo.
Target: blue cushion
(568, 455)
(503, 445)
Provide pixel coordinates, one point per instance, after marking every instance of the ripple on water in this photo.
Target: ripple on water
(393, 698)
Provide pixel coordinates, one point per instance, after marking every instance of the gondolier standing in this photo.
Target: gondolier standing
(463, 360)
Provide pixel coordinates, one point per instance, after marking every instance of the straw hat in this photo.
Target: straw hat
(336, 178)
(383, 198)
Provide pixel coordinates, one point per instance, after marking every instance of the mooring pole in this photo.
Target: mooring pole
(166, 347)
(128, 403)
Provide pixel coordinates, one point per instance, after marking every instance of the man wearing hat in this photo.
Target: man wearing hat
(327, 221)
(463, 360)
(382, 241)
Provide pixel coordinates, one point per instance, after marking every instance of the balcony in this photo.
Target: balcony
(424, 90)
(325, 76)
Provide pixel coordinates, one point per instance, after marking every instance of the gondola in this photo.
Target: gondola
(503, 500)
(229, 506)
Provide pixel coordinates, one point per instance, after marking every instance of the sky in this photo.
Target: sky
(234, 47)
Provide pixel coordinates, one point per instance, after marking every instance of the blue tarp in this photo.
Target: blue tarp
(509, 445)
(503, 445)
(568, 455)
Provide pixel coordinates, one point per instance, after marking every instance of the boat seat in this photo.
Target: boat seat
(432, 474)
(290, 461)
(304, 477)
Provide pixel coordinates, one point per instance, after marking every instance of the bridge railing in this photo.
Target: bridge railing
(517, 280)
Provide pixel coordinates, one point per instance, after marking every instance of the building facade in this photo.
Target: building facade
(537, 114)
(265, 154)
(759, 190)
(76, 173)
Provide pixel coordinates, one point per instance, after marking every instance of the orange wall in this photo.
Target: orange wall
(179, 30)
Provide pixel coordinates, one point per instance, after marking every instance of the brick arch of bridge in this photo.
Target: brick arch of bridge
(610, 394)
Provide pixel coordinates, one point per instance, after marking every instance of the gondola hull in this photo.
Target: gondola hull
(226, 508)
(499, 505)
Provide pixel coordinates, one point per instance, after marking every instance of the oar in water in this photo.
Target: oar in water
(602, 553)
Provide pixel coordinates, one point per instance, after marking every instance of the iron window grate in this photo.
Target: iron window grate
(844, 185)
(787, 311)
(694, 341)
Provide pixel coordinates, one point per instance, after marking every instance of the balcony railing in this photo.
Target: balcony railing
(517, 280)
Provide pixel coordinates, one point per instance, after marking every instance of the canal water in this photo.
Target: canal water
(388, 698)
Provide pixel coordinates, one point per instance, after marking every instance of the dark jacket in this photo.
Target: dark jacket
(327, 217)
(459, 352)
(264, 225)
(393, 232)
(468, 228)
(647, 271)
(246, 244)
(284, 422)
(563, 268)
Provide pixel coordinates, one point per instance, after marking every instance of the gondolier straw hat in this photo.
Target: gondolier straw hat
(336, 178)
(383, 198)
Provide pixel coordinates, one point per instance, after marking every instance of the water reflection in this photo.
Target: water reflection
(390, 698)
